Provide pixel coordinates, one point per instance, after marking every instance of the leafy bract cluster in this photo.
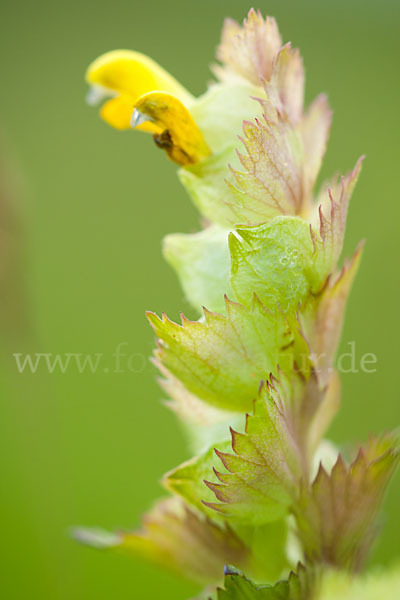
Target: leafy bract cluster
(253, 379)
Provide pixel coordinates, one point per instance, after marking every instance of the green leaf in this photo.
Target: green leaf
(276, 261)
(307, 407)
(298, 586)
(205, 182)
(264, 471)
(220, 112)
(329, 222)
(223, 360)
(267, 542)
(270, 183)
(332, 585)
(187, 480)
(285, 89)
(249, 51)
(274, 457)
(336, 517)
(179, 539)
(202, 263)
(286, 260)
(322, 319)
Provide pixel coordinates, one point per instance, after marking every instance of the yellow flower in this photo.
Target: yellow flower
(142, 95)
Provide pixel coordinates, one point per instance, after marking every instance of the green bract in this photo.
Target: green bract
(223, 359)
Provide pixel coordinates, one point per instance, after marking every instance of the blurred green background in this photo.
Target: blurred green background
(90, 448)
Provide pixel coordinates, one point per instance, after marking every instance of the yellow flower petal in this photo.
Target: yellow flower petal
(117, 112)
(137, 82)
(133, 74)
(180, 137)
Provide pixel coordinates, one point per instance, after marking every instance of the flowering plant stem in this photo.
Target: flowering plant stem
(253, 379)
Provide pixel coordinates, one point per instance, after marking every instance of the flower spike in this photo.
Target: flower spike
(265, 491)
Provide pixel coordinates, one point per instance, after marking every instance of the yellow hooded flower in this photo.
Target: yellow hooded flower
(143, 95)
